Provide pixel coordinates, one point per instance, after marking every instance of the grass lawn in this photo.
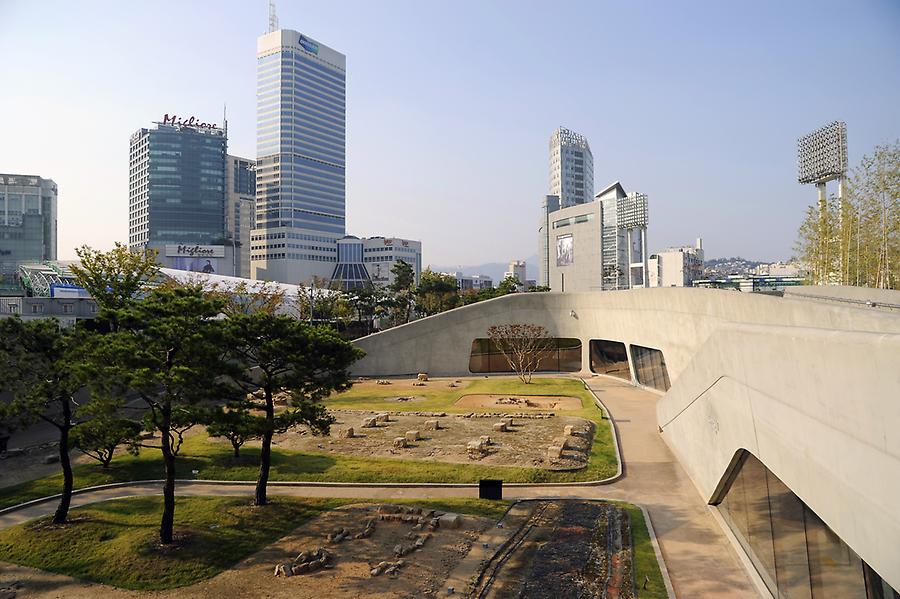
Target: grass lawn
(214, 461)
(113, 542)
(645, 564)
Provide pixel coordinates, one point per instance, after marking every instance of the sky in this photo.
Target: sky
(450, 106)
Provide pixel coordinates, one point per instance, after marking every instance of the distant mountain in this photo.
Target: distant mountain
(494, 270)
(720, 267)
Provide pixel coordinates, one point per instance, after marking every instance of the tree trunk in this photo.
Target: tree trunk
(62, 510)
(237, 450)
(265, 454)
(167, 525)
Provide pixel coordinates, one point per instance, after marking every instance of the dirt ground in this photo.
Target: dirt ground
(525, 444)
(30, 465)
(518, 402)
(422, 574)
(564, 549)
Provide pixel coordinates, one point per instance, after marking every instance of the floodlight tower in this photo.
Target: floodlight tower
(822, 157)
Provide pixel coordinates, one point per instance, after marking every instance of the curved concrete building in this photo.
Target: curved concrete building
(784, 411)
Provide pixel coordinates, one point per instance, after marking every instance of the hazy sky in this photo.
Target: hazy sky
(451, 106)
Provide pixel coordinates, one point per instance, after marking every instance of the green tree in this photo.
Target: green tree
(168, 349)
(38, 367)
(281, 354)
(366, 302)
(402, 292)
(236, 423)
(436, 293)
(508, 285)
(115, 277)
(538, 289)
(857, 242)
(99, 437)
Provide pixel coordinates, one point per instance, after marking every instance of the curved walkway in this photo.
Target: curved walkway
(699, 558)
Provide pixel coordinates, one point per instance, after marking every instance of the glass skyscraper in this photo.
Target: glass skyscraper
(27, 222)
(177, 187)
(301, 158)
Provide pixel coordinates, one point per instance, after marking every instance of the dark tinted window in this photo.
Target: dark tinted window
(610, 358)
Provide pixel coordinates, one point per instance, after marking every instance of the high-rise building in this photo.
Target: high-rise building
(27, 222)
(240, 210)
(301, 158)
(177, 195)
(571, 168)
(599, 245)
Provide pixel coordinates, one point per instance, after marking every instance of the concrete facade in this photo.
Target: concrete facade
(808, 387)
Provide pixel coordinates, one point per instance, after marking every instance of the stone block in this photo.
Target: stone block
(554, 452)
(383, 417)
(486, 439)
(51, 459)
(508, 422)
(450, 520)
(423, 376)
(499, 427)
(433, 425)
(346, 433)
(412, 435)
(569, 430)
(370, 422)
(399, 442)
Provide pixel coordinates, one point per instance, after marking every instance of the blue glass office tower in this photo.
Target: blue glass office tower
(301, 158)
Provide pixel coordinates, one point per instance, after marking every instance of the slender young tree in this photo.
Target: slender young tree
(402, 292)
(38, 368)
(523, 345)
(99, 437)
(167, 349)
(281, 354)
(237, 423)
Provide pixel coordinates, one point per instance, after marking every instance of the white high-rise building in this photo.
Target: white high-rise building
(301, 158)
(571, 168)
(516, 269)
(676, 267)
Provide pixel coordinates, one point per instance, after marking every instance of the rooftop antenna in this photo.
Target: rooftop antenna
(273, 18)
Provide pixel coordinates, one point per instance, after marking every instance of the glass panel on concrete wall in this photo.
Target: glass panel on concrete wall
(479, 358)
(562, 355)
(834, 569)
(794, 551)
(650, 367)
(789, 535)
(610, 358)
(569, 354)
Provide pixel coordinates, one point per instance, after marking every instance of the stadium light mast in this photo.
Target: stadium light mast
(822, 157)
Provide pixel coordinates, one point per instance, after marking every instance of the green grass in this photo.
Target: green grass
(214, 459)
(114, 542)
(645, 562)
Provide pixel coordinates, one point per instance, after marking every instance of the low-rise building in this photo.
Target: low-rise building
(676, 267)
(362, 260)
(471, 282)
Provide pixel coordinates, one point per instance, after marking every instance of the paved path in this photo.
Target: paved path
(700, 560)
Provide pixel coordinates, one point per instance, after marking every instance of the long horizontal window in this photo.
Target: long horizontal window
(562, 355)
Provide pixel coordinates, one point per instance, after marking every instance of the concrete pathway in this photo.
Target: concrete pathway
(699, 558)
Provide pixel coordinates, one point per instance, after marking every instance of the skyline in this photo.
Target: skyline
(440, 132)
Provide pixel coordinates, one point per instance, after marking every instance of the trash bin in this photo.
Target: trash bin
(489, 488)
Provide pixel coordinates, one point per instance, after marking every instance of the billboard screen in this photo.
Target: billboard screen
(565, 250)
(822, 154)
(196, 264)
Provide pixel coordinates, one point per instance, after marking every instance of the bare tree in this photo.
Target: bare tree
(523, 345)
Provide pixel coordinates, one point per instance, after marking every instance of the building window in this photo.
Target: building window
(794, 551)
(68, 308)
(37, 308)
(14, 308)
(650, 367)
(562, 355)
(610, 358)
